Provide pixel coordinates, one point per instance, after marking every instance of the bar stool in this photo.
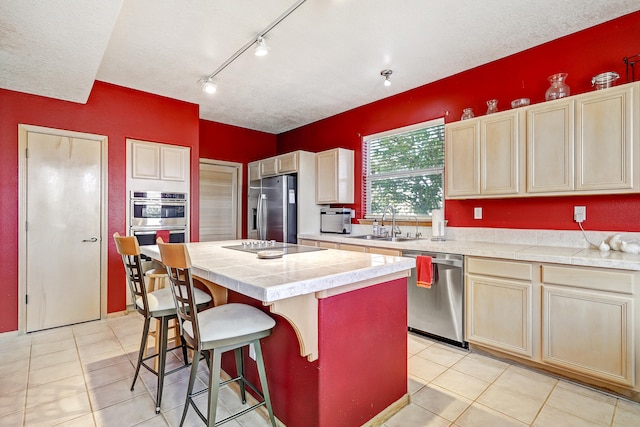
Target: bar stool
(158, 305)
(157, 278)
(213, 332)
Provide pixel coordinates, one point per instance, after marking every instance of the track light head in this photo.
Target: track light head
(208, 86)
(261, 47)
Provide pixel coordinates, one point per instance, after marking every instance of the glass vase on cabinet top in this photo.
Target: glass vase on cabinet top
(558, 88)
(492, 106)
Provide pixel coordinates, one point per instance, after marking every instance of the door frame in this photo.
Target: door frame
(239, 208)
(23, 130)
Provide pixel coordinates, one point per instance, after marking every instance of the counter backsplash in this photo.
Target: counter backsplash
(559, 238)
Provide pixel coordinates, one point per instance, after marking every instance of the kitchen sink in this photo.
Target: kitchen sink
(383, 238)
(397, 239)
(369, 237)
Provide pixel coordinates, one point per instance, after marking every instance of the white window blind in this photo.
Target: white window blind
(404, 168)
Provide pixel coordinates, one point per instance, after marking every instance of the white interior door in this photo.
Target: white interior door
(218, 202)
(63, 235)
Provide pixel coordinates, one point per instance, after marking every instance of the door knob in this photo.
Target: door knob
(93, 239)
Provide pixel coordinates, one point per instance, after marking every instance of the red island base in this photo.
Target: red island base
(362, 365)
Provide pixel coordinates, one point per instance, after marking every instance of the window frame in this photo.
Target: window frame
(366, 181)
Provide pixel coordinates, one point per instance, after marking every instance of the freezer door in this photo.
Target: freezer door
(271, 209)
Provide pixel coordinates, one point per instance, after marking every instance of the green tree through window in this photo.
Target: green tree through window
(404, 168)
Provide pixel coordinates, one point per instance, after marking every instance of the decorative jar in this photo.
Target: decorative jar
(492, 106)
(604, 80)
(467, 113)
(558, 88)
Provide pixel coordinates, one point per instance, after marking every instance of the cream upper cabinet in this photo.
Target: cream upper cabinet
(172, 161)
(287, 163)
(484, 157)
(606, 129)
(253, 170)
(502, 154)
(268, 167)
(278, 165)
(156, 161)
(550, 147)
(334, 176)
(153, 166)
(499, 302)
(584, 144)
(588, 322)
(462, 159)
(145, 160)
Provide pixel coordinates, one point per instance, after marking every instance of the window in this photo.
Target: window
(404, 168)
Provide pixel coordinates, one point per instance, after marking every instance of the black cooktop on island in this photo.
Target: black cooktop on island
(287, 248)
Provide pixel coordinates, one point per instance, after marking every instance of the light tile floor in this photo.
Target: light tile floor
(80, 376)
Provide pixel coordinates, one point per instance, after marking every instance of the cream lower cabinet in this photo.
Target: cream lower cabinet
(588, 322)
(578, 321)
(500, 299)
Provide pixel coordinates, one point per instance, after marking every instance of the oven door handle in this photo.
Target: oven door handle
(450, 262)
(147, 232)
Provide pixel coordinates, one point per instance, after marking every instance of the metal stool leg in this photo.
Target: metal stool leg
(192, 380)
(162, 356)
(143, 345)
(214, 386)
(263, 380)
(240, 369)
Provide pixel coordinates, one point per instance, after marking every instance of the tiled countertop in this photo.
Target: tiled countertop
(269, 280)
(523, 252)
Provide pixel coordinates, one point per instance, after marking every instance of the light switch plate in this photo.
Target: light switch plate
(477, 213)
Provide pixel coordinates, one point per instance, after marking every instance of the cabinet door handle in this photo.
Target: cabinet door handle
(93, 239)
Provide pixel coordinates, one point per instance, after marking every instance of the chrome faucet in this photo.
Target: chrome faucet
(418, 234)
(395, 230)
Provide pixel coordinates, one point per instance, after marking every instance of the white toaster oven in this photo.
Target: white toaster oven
(335, 220)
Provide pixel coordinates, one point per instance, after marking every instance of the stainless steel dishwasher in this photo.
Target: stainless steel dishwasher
(438, 311)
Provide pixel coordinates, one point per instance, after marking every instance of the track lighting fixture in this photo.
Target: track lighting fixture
(386, 74)
(261, 47)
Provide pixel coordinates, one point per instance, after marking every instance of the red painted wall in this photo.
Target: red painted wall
(235, 144)
(582, 55)
(114, 111)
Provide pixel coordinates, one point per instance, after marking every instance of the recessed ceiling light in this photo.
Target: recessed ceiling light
(386, 74)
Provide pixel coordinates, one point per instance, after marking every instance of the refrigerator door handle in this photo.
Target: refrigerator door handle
(260, 222)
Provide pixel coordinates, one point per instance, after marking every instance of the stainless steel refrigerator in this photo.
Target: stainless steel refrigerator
(272, 209)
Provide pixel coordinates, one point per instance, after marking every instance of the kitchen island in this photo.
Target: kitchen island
(338, 353)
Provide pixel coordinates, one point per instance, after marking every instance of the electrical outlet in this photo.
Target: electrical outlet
(477, 213)
(579, 213)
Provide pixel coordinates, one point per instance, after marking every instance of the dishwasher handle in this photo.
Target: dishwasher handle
(439, 261)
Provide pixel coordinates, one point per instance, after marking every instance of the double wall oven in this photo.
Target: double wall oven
(154, 213)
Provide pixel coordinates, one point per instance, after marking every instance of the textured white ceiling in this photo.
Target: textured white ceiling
(325, 58)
